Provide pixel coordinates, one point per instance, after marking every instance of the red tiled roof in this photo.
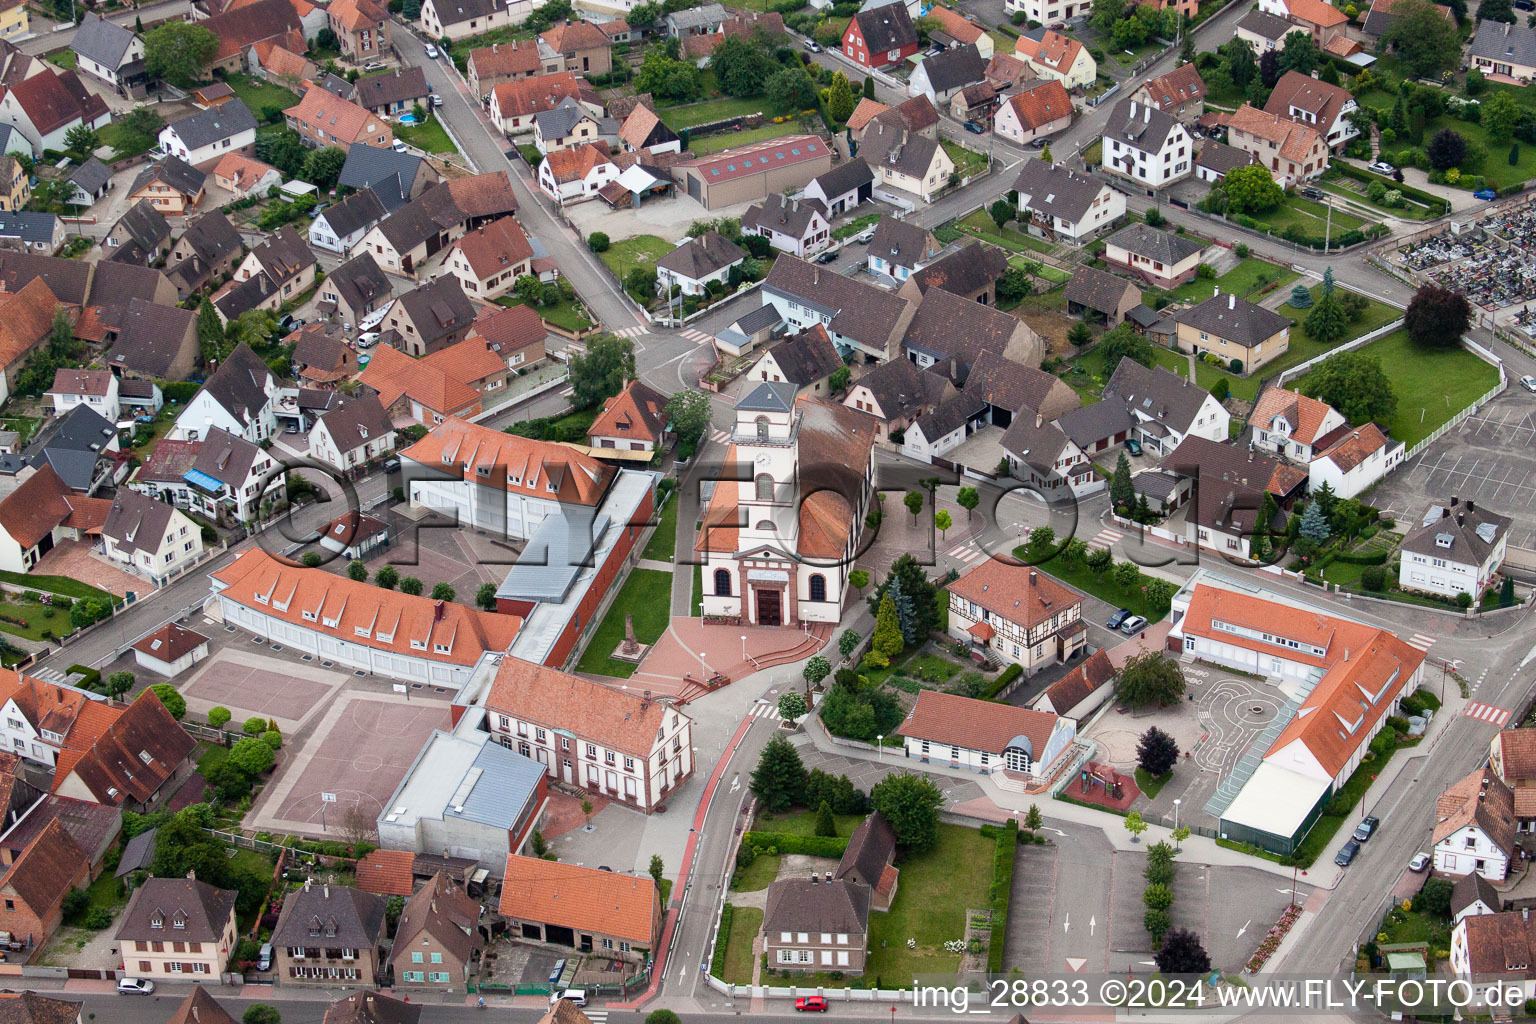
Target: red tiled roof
(586, 899)
(1041, 105)
(170, 642)
(1018, 593)
(25, 319)
(387, 872)
(620, 719)
(636, 412)
(139, 750)
(518, 464)
(494, 247)
(576, 163)
(542, 92)
(337, 117)
(949, 719)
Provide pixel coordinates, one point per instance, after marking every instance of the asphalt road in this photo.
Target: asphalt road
(47, 42)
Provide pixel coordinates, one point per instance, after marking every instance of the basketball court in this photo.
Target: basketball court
(249, 683)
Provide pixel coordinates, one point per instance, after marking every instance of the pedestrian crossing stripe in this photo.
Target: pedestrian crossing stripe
(1106, 539)
(762, 710)
(596, 1016)
(1487, 713)
(632, 332)
(719, 436)
(1421, 641)
(698, 336)
(966, 552)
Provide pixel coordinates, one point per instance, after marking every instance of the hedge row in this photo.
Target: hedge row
(1008, 675)
(1434, 202)
(806, 846)
(1003, 856)
(717, 964)
(1362, 557)
(90, 676)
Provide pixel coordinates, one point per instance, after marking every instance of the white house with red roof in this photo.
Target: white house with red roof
(1013, 613)
(963, 732)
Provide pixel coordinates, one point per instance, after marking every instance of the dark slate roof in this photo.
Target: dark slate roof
(353, 423)
(91, 175)
(901, 388)
(1140, 125)
(377, 1008)
(149, 339)
(1142, 315)
(239, 384)
(245, 295)
(202, 910)
(359, 281)
(215, 124)
(73, 445)
(1163, 246)
(1469, 889)
(1156, 393)
(137, 853)
(137, 522)
(998, 380)
(1266, 25)
(389, 172)
(145, 225)
(336, 914)
(790, 217)
(438, 308)
(965, 271)
(103, 41)
(358, 211)
(755, 320)
(1464, 532)
(401, 85)
(212, 236)
(1232, 318)
(1505, 43)
(284, 254)
(1090, 424)
(886, 28)
(1221, 158)
(699, 257)
(806, 357)
(1053, 190)
(1097, 290)
(557, 123)
(886, 141)
(226, 457)
(869, 850)
(802, 905)
(860, 311)
(902, 243)
(69, 280)
(28, 226)
(29, 1007)
(338, 87)
(1036, 442)
(955, 68)
(769, 396)
(845, 177)
(948, 325)
(175, 172)
(950, 415)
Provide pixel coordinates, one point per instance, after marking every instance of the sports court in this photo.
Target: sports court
(249, 683)
(359, 751)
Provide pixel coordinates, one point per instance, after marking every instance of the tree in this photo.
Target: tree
(252, 755)
(1157, 896)
(1187, 52)
(1434, 899)
(1002, 212)
(839, 98)
(1269, 73)
(1250, 189)
(1501, 115)
(210, 332)
(387, 577)
(815, 670)
(911, 804)
(1424, 39)
(666, 76)
(1107, 13)
(173, 701)
(1149, 678)
(689, 414)
(178, 51)
(1182, 953)
(1122, 492)
(657, 868)
(119, 683)
(942, 522)
(792, 705)
(442, 592)
(1127, 575)
(825, 825)
(586, 812)
(1157, 752)
(1033, 819)
(1238, 58)
(254, 726)
(906, 615)
(1045, 154)
(485, 597)
(789, 90)
(1437, 317)
(1299, 53)
(662, 1017)
(261, 1013)
(598, 241)
(600, 372)
(357, 570)
(1446, 149)
(778, 781)
(1327, 322)
(1014, 285)
(914, 502)
(1259, 544)
(869, 88)
(921, 591)
(1080, 335)
(218, 716)
(742, 67)
(1135, 826)
(1496, 10)
(968, 498)
(1354, 384)
(82, 140)
(323, 166)
(1041, 546)
(839, 379)
(1122, 342)
(858, 579)
(411, 585)
(1313, 526)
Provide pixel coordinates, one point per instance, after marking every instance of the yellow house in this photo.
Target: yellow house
(13, 19)
(1239, 333)
(15, 189)
(1053, 55)
(900, 159)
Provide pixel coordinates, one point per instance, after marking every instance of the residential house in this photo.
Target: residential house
(1217, 158)
(322, 119)
(178, 929)
(867, 860)
(326, 934)
(1292, 424)
(285, 259)
(843, 187)
(811, 926)
(1050, 54)
(169, 651)
(976, 103)
(1291, 151)
(392, 93)
(1475, 828)
(31, 231)
(154, 342)
(432, 317)
(960, 31)
(245, 176)
(203, 138)
(352, 435)
(970, 271)
(879, 37)
(1229, 489)
(1355, 461)
(514, 103)
(805, 360)
(355, 289)
(253, 26)
(1012, 614)
(353, 535)
(1081, 691)
(1263, 31)
(1102, 297)
(1180, 93)
(1042, 455)
(1054, 13)
(455, 19)
(698, 261)
(515, 334)
(577, 174)
(361, 28)
(642, 131)
(945, 428)
(1061, 204)
(1322, 107)
(26, 318)
(1040, 108)
(1455, 549)
(34, 886)
(322, 356)
(1317, 18)
(238, 297)
(489, 66)
(902, 160)
(341, 226)
(1097, 427)
(141, 235)
(437, 938)
(452, 380)
(633, 420)
(898, 248)
(200, 1008)
(1378, 20)
(172, 186)
(488, 260)
(1020, 744)
(796, 226)
(859, 317)
(95, 389)
(82, 448)
(572, 124)
(1493, 945)
(706, 19)
(41, 721)
(917, 115)
(41, 511)
(1512, 756)
(896, 393)
(15, 20)
(17, 184)
(240, 397)
(1506, 52)
(753, 171)
(1238, 332)
(738, 24)
(585, 47)
(134, 763)
(612, 914)
(44, 107)
(220, 477)
(280, 65)
(1167, 407)
(942, 75)
(396, 178)
(27, 1007)
(110, 53)
(1160, 258)
(209, 248)
(1146, 145)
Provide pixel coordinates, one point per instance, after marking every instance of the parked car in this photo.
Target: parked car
(1133, 625)
(1487, 195)
(812, 46)
(391, 465)
(292, 428)
(1039, 143)
(975, 129)
(1529, 383)
(575, 995)
(398, 146)
(1525, 5)
(1314, 193)
(437, 100)
(431, 52)
(865, 237)
(1366, 829)
(1347, 853)
(1119, 617)
(813, 1004)
(1419, 863)
(827, 257)
(135, 986)
(1133, 446)
(1381, 167)
(367, 339)
(374, 65)
(264, 958)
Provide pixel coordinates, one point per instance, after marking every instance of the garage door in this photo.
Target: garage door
(558, 935)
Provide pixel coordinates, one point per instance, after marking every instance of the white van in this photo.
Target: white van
(575, 995)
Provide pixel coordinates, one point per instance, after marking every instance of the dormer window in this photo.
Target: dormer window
(441, 648)
(179, 921)
(418, 645)
(157, 920)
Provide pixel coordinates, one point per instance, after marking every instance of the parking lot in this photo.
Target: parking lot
(1489, 458)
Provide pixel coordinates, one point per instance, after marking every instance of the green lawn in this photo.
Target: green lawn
(1103, 587)
(663, 543)
(1410, 210)
(647, 595)
(64, 585)
(1310, 217)
(981, 225)
(1242, 280)
(62, 59)
(622, 257)
(1415, 926)
(1495, 165)
(430, 137)
(257, 94)
(802, 822)
(758, 875)
(746, 922)
(1431, 386)
(967, 161)
(1303, 347)
(1151, 785)
(747, 136)
(561, 314)
(34, 619)
(698, 591)
(937, 887)
(855, 226)
(124, 144)
(710, 111)
(210, 756)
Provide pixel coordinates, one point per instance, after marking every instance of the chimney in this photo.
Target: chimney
(439, 611)
(1034, 578)
(1039, 421)
(1146, 115)
(326, 891)
(1215, 290)
(307, 883)
(1232, 301)
(1461, 519)
(815, 274)
(814, 879)
(495, 47)
(1525, 913)
(1314, 74)
(191, 875)
(1471, 507)
(1133, 110)
(1453, 501)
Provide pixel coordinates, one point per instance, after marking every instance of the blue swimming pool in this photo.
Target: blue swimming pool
(407, 118)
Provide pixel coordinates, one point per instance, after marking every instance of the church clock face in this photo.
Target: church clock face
(763, 459)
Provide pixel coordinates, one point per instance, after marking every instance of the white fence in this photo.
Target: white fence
(1487, 357)
(1365, 339)
(833, 995)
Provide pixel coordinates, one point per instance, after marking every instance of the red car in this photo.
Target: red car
(811, 1003)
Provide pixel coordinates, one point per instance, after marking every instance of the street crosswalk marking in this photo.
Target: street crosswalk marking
(966, 552)
(632, 332)
(1421, 641)
(719, 436)
(596, 1016)
(1105, 538)
(1487, 713)
(698, 336)
(768, 711)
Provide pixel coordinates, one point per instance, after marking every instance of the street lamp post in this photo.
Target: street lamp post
(880, 756)
(743, 647)
(1176, 802)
